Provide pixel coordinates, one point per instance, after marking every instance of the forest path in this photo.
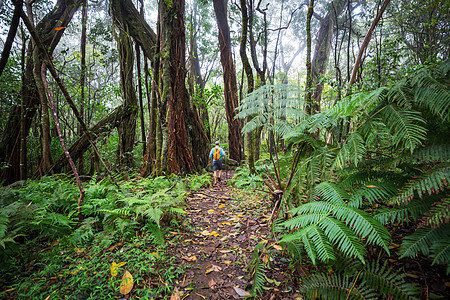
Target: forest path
(225, 226)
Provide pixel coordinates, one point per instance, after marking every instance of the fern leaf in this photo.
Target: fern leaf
(331, 193)
(387, 282)
(334, 286)
(422, 239)
(343, 237)
(430, 182)
(403, 125)
(351, 151)
(441, 251)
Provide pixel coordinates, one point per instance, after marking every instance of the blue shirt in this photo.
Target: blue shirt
(211, 153)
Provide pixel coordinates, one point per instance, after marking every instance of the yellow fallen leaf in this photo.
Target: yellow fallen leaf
(127, 283)
(59, 28)
(221, 206)
(227, 262)
(189, 240)
(226, 223)
(278, 247)
(214, 233)
(201, 296)
(115, 268)
(211, 211)
(191, 258)
(212, 268)
(240, 215)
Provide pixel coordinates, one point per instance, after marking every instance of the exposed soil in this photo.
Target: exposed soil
(217, 249)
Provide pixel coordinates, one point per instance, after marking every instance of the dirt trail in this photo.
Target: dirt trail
(219, 244)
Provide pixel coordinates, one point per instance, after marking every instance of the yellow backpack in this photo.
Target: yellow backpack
(216, 154)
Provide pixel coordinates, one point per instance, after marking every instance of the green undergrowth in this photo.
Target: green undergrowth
(49, 250)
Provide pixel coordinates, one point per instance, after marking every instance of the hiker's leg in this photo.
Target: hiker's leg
(215, 177)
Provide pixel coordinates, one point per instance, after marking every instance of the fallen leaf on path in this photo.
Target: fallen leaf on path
(227, 262)
(241, 292)
(221, 206)
(211, 211)
(278, 247)
(189, 240)
(226, 223)
(191, 258)
(212, 268)
(212, 283)
(214, 233)
(201, 295)
(205, 232)
(176, 294)
(127, 283)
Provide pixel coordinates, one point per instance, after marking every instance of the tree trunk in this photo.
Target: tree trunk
(82, 77)
(322, 51)
(180, 156)
(366, 41)
(229, 77)
(126, 128)
(250, 136)
(46, 158)
(60, 16)
(308, 96)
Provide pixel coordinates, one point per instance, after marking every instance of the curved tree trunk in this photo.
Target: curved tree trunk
(229, 78)
(60, 16)
(126, 127)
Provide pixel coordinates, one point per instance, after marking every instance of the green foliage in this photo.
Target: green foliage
(273, 107)
(43, 215)
(320, 225)
(370, 281)
(243, 179)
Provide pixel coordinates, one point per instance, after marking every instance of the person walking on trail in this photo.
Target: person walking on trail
(216, 154)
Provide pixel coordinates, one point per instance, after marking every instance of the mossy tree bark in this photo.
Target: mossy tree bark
(126, 127)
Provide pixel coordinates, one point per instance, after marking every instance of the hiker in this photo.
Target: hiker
(216, 154)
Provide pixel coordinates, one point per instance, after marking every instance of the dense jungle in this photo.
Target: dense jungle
(224, 149)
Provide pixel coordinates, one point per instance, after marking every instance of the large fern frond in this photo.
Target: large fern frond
(422, 240)
(403, 125)
(334, 286)
(431, 86)
(431, 182)
(387, 282)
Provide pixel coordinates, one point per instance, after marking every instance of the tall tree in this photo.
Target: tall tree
(179, 156)
(250, 136)
(229, 78)
(323, 48)
(308, 96)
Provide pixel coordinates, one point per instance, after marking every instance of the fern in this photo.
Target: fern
(334, 286)
(430, 182)
(356, 281)
(351, 151)
(343, 226)
(422, 240)
(386, 282)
